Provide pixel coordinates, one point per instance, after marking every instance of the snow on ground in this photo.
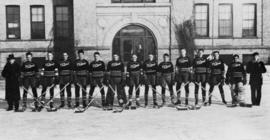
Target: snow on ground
(209, 123)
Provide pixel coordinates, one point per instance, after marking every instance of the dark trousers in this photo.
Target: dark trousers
(137, 90)
(197, 86)
(221, 90)
(102, 92)
(256, 94)
(43, 91)
(178, 89)
(25, 92)
(77, 95)
(147, 89)
(163, 91)
(12, 103)
(62, 94)
(116, 87)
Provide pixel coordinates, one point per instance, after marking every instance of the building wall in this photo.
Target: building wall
(19, 47)
(97, 21)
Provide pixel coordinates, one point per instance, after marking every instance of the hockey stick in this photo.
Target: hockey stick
(125, 105)
(60, 92)
(45, 105)
(211, 94)
(35, 98)
(44, 93)
(89, 104)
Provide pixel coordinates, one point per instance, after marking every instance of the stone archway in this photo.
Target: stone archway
(134, 39)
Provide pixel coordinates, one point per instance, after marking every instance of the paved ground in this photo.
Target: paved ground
(209, 123)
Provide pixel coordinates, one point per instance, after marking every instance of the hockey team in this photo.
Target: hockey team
(116, 76)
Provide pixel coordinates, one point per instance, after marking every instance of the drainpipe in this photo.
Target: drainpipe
(213, 5)
(262, 23)
(170, 30)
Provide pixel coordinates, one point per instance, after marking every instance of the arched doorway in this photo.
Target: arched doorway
(134, 39)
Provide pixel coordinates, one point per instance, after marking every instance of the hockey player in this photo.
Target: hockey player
(256, 68)
(81, 78)
(49, 73)
(217, 77)
(236, 77)
(183, 74)
(29, 76)
(201, 73)
(150, 68)
(116, 81)
(134, 71)
(97, 73)
(166, 77)
(65, 79)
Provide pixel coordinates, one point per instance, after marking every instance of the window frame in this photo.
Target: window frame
(254, 20)
(19, 23)
(232, 28)
(31, 22)
(207, 20)
(142, 1)
(57, 34)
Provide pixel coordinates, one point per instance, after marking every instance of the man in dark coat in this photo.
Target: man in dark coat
(11, 73)
(255, 68)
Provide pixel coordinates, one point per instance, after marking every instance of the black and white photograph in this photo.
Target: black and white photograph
(134, 69)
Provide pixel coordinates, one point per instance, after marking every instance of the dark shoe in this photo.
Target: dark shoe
(186, 102)
(138, 103)
(178, 102)
(9, 109)
(155, 105)
(62, 105)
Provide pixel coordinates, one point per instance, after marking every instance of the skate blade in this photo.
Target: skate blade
(194, 107)
(182, 108)
(52, 110)
(133, 107)
(118, 111)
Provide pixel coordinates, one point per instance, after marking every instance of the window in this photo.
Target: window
(13, 22)
(37, 22)
(249, 20)
(202, 20)
(62, 22)
(133, 1)
(225, 20)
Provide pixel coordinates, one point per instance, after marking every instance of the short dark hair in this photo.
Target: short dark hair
(49, 52)
(215, 52)
(28, 53)
(165, 55)
(183, 49)
(201, 50)
(236, 55)
(80, 51)
(96, 53)
(255, 54)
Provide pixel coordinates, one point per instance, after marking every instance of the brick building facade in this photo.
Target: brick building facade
(132, 26)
